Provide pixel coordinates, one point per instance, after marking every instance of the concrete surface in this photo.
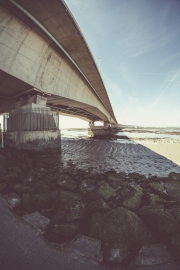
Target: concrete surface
(22, 248)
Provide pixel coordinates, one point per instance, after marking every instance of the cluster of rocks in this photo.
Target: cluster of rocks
(125, 221)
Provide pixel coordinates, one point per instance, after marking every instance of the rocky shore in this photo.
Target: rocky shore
(117, 220)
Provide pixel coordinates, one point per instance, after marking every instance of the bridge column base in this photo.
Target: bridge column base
(33, 127)
(37, 142)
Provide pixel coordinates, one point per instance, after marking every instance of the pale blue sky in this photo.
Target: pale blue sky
(138, 43)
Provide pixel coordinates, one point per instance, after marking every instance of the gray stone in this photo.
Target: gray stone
(115, 252)
(86, 186)
(160, 219)
(68, 199)
(150, 255)
(97, 206)
(13, 200)
(173, 190)
(134, 201)
(2, 159)
(118, 225)
(66, 230)
(37, 221)
(119, 177)
(10, 178)
(104, 191)
(158, 188)
(66, 182)
(174, 176)
(85, 246)
(41, 200)
(41, 187)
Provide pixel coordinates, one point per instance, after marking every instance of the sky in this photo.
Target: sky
(138, 43)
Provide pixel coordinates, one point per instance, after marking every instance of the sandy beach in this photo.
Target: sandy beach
(167, 148)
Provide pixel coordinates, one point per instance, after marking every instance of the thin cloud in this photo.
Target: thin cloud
(165, 89)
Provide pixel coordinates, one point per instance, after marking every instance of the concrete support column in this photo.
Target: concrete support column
(33, 127)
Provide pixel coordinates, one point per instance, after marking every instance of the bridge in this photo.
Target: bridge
(46, 66)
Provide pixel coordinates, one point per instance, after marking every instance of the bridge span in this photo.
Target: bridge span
(46, 65)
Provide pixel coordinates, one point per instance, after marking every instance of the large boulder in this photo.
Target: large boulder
(41, 200)
(173, 190)
(66, 230)
(13, 200)
(41, 187)
(158, 188)
(10, 178)
(160, 219)
(174, 176)
(118, 225)
(134, 201)
(2, 159)
(66, 181)
(68, 199)
(97, 206)
(115, 252)
(104, 191)
(37, 221)
(84, 246)
(151, 255)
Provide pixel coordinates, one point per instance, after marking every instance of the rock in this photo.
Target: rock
(37, 221)
(3, 187)
(26, 201)
(115, 252)
(47, 212)
(134, 201)
(173, 190)
(174, 176)
(174, 243)
(118, 225)
(67, 230)
(158, 188)
(2, 159)
(13, 200)
(150, 255)
(67, 199)
(85, 246)
(66, 182)
(58, 217)
(86, 186)
(104, 191)
(2, 170)
(41, 187)
(119, 177)
(21, 188)
(16, 169)
(41, 200)
(137, 177)
(97, 206)
(160, 219)
(76, 212)
(10, 178)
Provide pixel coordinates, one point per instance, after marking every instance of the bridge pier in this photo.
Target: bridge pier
(106, 130)
(32, 127)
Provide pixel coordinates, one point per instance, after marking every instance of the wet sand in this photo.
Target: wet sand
(121, 155)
